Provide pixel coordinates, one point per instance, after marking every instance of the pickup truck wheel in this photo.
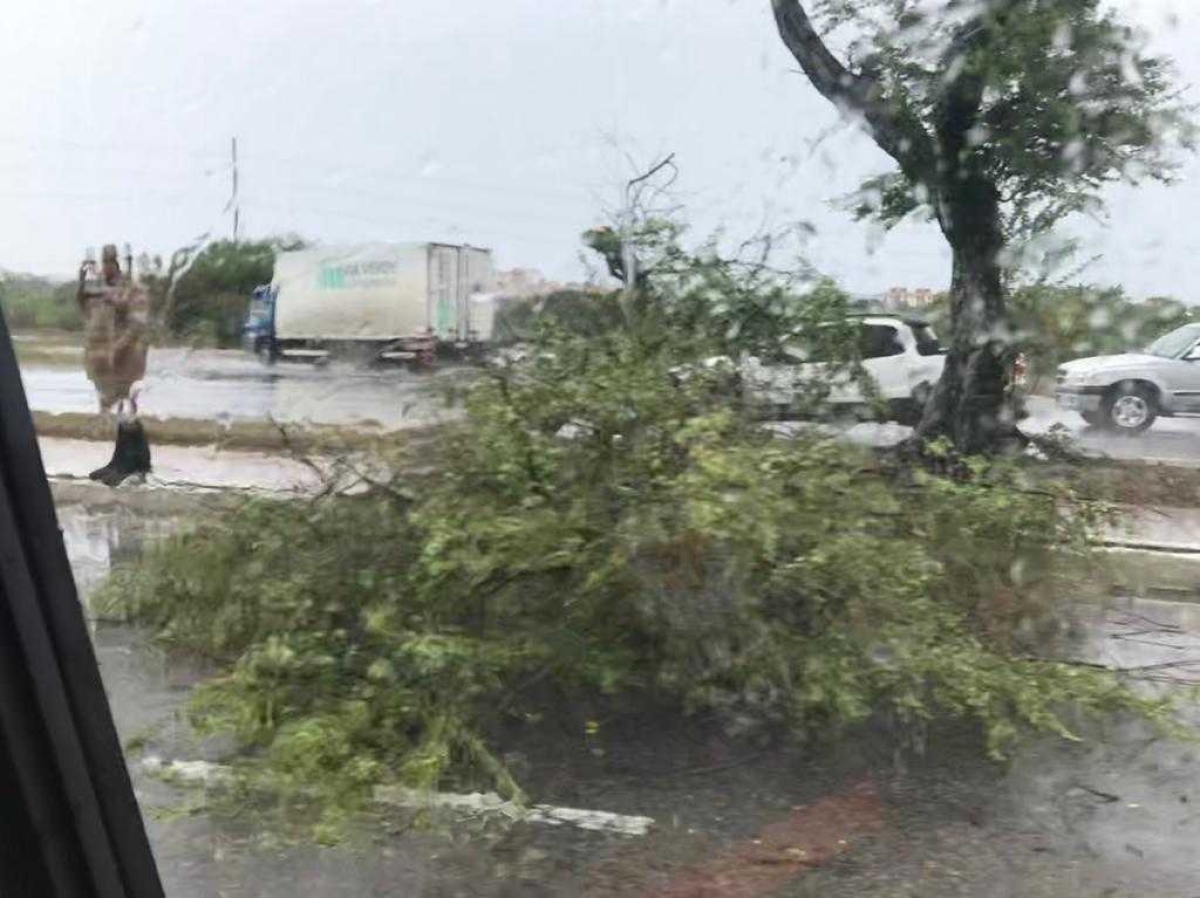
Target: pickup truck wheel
(1129, 408)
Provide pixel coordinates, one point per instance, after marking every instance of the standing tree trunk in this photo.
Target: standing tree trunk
(970, 405)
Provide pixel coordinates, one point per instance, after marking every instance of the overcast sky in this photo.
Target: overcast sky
(505, 123)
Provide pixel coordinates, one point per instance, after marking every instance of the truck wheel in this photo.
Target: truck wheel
(1129, 408)
(265, 352)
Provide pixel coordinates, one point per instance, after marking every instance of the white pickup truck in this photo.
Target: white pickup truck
(901, 355)
(1127, 392)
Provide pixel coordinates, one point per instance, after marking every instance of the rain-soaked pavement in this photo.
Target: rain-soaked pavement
(187, 467)
(1170, 440)
(1113, 816)
(229, 385)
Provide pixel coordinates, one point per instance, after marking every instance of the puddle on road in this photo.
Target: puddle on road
(1117, 811)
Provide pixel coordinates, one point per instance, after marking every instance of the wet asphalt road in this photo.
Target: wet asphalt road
(1113, 816)
(227, 385)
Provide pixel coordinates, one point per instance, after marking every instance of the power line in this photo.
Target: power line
(234, 198)
(510, 210)
(430, 179)
(167, 150)
(525, 227)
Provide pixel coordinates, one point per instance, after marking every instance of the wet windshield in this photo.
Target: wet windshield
(1176, 343)
(512, 449)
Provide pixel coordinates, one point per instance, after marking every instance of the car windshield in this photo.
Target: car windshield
(1176, 343)
(527, 448)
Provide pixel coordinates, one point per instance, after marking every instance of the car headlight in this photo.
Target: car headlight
(1075, 380)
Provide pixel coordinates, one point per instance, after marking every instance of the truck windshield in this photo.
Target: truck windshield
(1176, 343)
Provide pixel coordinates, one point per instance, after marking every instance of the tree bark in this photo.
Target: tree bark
(970, 405)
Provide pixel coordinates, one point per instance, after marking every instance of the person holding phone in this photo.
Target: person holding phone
(116, 316)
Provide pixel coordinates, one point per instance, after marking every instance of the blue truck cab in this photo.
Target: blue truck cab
(258, 331)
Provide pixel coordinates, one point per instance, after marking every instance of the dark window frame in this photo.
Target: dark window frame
(71, 824)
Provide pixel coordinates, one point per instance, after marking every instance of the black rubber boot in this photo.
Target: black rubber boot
(102, 473)
(132, 455)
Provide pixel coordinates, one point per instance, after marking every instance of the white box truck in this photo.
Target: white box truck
(395, 301)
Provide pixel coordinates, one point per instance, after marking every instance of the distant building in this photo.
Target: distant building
(521, 283)
(899, 299)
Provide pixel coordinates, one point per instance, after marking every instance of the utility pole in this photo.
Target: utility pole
(233, 200)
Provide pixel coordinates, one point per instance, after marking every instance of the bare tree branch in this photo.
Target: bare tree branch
(668, 160)
(181, 261)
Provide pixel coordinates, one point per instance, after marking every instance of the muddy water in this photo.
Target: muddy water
(1112, 816)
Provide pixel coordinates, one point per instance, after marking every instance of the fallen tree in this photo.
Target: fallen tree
(599, 530)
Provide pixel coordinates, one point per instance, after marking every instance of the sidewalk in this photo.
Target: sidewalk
(1167, 529)
(198, 468)
(1152, 552)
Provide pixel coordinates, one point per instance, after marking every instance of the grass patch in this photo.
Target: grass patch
(265, 436)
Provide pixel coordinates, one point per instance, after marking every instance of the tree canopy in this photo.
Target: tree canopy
(1048, 99)
(211, 294)
(1003, 117)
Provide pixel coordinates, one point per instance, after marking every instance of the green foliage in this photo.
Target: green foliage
(211, 297)
(601, 532)
(1002, 117)
(699, 301)
(605, 528)
(579, 312)
(1067, 100)
(1056, 323)
(32, 303)
(702, 298)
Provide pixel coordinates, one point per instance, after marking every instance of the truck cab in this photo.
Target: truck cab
(258, 331)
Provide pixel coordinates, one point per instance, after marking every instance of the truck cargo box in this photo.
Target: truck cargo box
(381, 292)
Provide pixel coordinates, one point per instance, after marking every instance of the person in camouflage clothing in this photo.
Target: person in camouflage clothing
(116, 316)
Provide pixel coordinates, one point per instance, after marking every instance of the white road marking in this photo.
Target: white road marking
(207, 773)
(490, 802)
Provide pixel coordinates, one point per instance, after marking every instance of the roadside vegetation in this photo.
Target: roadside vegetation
(199, 296)
(34, 303)
(609, 527)
(1058, 323)
(1001, 118)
